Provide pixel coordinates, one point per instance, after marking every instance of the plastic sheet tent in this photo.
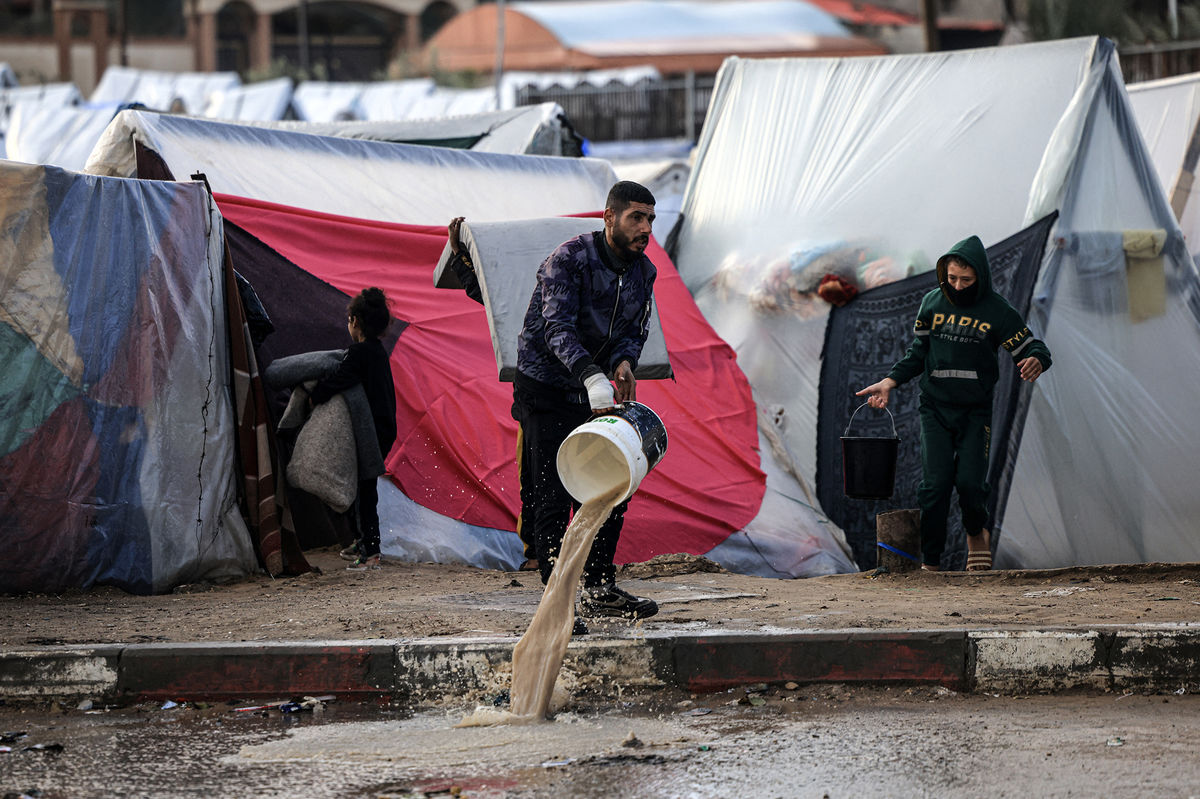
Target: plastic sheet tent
(529, 130)
(8, 78)
(266, 100)
(870, 168)
(160, 90)
(351, 177)
(116, 439)
(1167, 112)
(56, 135)
(422, 98)
(756, 532)
(419, 98)
(34, 98)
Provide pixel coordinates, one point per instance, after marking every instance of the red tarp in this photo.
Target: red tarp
(455, 452)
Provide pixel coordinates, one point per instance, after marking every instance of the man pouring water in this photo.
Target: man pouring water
(587, 321)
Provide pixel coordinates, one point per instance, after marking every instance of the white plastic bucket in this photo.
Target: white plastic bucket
(616, 449)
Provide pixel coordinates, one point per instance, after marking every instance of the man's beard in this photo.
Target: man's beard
(624, 245)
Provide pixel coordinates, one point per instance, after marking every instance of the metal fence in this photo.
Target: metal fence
(666, 108)
(1154, 61)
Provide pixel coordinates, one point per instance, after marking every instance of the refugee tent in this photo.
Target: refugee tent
(265, 100)
(352, 177)
(422, 98)
(161, 90)
(116, 436)
(868, 169)
(329, 101)
(52, 95)
(418, 98)
(61, 136)
(530, 130)
(1167, 112)
(376, 213)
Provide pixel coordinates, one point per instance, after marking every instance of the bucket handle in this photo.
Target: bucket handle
(859, 408)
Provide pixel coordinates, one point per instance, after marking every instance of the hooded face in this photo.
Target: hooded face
(962, 283)
(964, 274)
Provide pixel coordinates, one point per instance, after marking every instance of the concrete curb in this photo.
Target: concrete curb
(996, 661)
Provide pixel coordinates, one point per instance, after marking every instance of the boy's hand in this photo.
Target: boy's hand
(879, 392)
(626, 383)
(1031, 369)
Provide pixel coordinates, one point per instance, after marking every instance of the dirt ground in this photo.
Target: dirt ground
(413, 600)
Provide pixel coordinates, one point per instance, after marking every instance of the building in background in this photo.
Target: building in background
(75, 40)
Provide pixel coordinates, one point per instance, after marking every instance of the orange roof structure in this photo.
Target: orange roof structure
(672, 35)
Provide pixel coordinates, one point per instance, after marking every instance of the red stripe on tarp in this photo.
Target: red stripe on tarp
(455, 451)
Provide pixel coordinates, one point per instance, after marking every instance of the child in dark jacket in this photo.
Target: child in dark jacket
(959, 328)
(366, 363)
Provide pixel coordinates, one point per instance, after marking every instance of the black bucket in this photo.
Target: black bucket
(869, 464)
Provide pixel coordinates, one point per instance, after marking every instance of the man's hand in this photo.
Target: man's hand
(600, 392)
(1031, 369)
(879, 392)
(455, 242)
(626, 383)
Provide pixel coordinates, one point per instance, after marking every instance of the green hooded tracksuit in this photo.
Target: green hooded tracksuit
(957, 334)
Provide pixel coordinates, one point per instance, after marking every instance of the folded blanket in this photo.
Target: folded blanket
(294, 370)
(323, 460)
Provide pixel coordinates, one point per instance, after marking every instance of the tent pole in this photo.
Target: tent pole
(1182, 189)
(929, 20)
(302, 25)
(499, 50)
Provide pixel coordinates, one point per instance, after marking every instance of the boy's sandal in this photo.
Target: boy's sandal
(980, 561)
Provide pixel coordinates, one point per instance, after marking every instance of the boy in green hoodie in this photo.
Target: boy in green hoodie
(959, 328)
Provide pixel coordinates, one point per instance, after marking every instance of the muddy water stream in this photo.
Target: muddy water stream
(538, 656)
(809, 742)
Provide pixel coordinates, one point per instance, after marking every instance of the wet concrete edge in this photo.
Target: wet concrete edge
(996, 661)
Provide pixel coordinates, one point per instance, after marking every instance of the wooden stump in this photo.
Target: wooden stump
(899, 529)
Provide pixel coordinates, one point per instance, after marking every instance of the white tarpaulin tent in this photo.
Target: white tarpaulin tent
(34, 98)
(265, 100)
(421, 98)
(356, 178)
(1167, 112)
(529, 130)
(902, 156)
(61, 136)
(159, 90)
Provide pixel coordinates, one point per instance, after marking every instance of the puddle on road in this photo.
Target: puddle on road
(430, 743)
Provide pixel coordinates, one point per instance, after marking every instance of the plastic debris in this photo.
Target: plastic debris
(290, 705)
(48, 748)
(11, 737)
(169, 705)
(1059, 591)
(553, 763)
(1115, 742)
(698, 711)
(84, 705)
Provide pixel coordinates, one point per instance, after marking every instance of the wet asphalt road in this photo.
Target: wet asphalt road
(812, 741)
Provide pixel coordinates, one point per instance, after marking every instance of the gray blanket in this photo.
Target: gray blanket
(294, 370)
